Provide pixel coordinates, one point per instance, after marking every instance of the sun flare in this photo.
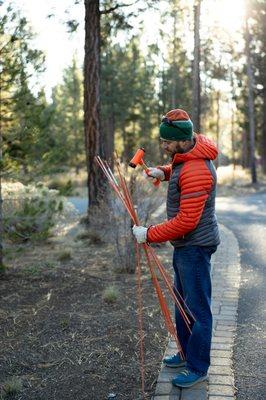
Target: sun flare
(227, 14)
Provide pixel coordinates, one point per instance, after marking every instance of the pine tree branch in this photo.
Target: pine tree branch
(15, 77)
(11, 40)
(109, 10)
(3, 113)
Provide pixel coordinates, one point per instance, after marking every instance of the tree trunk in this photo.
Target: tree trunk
(217, 160)
(244, 160)
(76, 135)
(160, 114)
(263, 138)
(92, 98)
(251, 107)
(233, 146)
(1, 199)
(174, 66)
(76, 147)
(196, 100)
(233, 143)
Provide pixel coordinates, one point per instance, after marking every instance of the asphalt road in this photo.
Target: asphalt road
(80, 203)
(246, 217)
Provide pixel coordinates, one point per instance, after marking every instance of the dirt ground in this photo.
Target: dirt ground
(60, 339)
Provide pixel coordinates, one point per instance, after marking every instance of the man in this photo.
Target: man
(193, 231)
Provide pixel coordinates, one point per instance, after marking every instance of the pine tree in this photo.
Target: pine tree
(94, 35)
(18, 105)
(65, 133)
(250, 101)
(128, 101)
(258, 46)
(93, 137)
(17, 58)
(196, 107)
(175, 82)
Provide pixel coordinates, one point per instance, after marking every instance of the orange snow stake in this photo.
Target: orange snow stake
(138, 160)
(120, 187)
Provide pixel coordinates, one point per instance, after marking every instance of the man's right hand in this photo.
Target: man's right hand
(154, 173)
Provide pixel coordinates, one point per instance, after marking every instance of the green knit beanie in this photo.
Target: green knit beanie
(176, 130)
(176, 125)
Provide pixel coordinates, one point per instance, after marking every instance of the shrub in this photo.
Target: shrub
(3, 268)
(32, 270)
(92, 236)
(64, 323)
(12, 386)
(110, 294)
(30, 212)
(65, 255)
(64, 188)
(115, 223)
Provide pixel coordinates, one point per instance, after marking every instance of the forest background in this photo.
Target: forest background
(137, 61)
(80, 79)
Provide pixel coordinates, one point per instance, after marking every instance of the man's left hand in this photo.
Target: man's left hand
(140, 233)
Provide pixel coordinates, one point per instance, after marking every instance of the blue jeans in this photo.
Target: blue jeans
(193, 281)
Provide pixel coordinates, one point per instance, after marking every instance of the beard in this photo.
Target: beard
(178, 149)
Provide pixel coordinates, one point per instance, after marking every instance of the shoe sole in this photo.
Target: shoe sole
(186, 385)
(175, 365)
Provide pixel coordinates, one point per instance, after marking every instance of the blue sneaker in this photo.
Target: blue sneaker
(187, 378)
(174, 361)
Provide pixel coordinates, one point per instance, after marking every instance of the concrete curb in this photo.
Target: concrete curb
(225, 283)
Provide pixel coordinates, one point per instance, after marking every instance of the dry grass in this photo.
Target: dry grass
(64, 177)
(227, 175)
(237, 180)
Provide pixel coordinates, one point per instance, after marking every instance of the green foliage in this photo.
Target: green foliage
(128, 96)
(36, 270)
(12, 386)
(29, 212)
(137, 88)
(64, 323)
(3, 268)
(20, 110)
(175, 76)
(64, 188)
(110, 295)
(65, 130)
(32, 270)
(93, 236)
(65, 255)
(258, 31)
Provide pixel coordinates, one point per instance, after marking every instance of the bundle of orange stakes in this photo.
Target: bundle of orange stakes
(119, 185)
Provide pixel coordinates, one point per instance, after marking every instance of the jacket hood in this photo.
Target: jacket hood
(204, 149)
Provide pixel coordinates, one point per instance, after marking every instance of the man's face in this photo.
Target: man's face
(172, 147)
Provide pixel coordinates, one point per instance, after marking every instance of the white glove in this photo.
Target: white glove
(140, 233)
(154, 173)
